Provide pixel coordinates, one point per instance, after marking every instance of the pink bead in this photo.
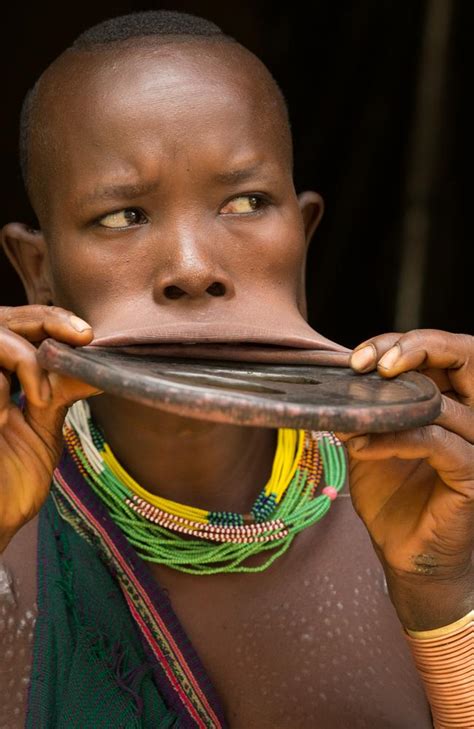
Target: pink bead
(330, 491)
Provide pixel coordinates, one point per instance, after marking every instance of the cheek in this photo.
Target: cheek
(274, 251)
(88, 279)
(92, 278)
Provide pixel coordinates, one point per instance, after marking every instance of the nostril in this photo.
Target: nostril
(173, 292)
(216, 289)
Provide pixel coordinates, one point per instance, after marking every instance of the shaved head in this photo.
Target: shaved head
(159, 165)
(101, 54)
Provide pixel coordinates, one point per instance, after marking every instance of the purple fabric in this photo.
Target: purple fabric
(157, 597)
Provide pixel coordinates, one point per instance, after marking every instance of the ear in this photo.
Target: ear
(312, 209)
(26, 250)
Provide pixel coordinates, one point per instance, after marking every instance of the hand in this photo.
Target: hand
(414, 489)
(31, 441)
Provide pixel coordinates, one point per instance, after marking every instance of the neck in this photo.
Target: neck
(210, 465)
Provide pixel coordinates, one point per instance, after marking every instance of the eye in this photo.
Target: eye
(244, 204)
(126, 218)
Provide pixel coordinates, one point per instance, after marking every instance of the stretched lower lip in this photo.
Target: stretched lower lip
(222, 335)
(249, 345)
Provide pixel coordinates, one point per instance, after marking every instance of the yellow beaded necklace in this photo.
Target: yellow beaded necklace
(217, 541)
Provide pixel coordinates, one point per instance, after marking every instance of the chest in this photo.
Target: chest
(311, 642)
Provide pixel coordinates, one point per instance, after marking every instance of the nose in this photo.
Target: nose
(191, 271)
(217, 288)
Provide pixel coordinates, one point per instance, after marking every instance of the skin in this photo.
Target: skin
(85, 267)
(122, 120)
(414, 489)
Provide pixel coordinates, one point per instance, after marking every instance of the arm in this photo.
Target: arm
(414, 490)
(31, 437)
(445, 660)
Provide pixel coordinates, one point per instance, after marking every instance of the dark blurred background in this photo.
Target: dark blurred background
(379, 96)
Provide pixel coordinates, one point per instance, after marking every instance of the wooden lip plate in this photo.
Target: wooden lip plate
(273, 396)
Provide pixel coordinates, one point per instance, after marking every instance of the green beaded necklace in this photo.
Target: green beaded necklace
(201, 542)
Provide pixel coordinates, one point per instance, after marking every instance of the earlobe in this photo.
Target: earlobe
(26, 250)
(312, 209)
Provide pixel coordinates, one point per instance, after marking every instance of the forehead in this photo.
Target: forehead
(179, 102)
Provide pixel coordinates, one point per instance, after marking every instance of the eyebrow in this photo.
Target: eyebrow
(135, 190)
(111, 192)
(237, 176)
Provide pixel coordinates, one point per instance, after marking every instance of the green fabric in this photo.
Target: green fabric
(90, 669)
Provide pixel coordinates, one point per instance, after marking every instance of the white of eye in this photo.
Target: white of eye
(122, 218)
(242, 204)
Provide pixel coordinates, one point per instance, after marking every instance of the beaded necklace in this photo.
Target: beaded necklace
(198, 541)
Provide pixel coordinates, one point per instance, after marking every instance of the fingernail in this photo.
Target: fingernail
(363, 358)
(358, 443)
(389, 358)
(79, 324)
(45, 390)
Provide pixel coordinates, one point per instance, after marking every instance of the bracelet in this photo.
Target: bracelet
(444, 630)
(444, 658)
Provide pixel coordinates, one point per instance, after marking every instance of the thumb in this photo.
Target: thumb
(47, 422)
(67, 390)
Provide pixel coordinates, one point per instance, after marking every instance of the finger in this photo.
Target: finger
(456, 418)
(67, 390)
(432, 348)
(366, 355)
(48, 422)
(19, 356)
(4, 398)
(424, 347)
(36, 323)
(449, 454)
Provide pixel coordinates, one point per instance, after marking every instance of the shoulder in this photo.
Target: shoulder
(18, 613)
(18, 561)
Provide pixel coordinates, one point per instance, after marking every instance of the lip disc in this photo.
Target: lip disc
(245, 393)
